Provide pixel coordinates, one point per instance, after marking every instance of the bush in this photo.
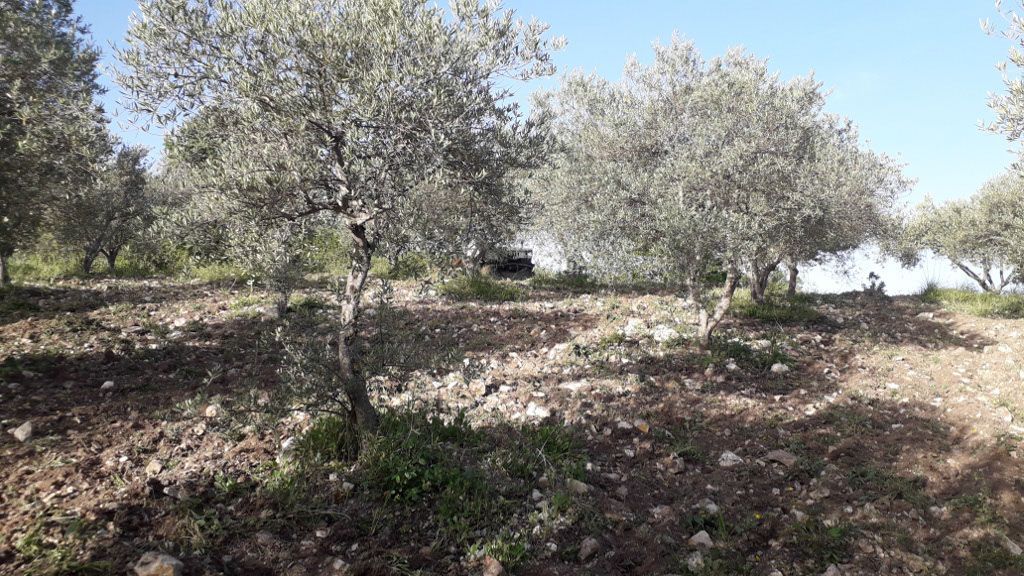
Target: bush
(469, 287)
(967, 301)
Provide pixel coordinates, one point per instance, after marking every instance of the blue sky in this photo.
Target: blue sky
(914, 75)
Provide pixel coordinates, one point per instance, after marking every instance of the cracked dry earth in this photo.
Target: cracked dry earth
(884, 437)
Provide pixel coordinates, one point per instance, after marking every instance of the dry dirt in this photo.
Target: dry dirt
(901, 427)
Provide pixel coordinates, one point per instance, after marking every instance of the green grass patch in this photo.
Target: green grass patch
(476, 287)
(216, 273)
(982, 304)
(746, 356)
(564, 282)
(330, 439)
(822, 544)
(883, 483)
(408, 267)
(777, 309)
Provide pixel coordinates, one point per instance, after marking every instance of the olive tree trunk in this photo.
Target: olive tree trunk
(759, 275)
(352, 379)
(5, 273)
(985, 280)
(793, 273)
(707, 321)
(111, 256)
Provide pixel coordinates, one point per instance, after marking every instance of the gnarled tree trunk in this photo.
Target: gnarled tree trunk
(708, 321)
(5, 273)
(353, 382)
(759, 275)
(793, 273)
(111, 255)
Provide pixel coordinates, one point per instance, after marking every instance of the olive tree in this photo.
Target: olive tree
(983, 236)
(340, 106)
(689, 168)
(844, 197)
(109, 212)
(51, 131)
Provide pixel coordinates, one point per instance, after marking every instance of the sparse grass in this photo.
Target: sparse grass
(885, 484)
(306, 305)
(777, 309)
(216, 273)
(974, 303)
(56, 552)
(43, 266)
(408, 267)
(988, 558)
(755, 360)
(330, 439)
(822, 544)
(564, 282)
(475, 287)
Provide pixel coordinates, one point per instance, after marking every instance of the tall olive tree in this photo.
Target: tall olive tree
(844, 196)
(342, 106)
(108, 213)
(982, 236)
(687, 168)
(51, 132)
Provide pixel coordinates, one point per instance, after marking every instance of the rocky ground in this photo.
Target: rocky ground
(846, 435)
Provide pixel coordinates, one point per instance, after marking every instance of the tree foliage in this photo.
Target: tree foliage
(983, 236)
(341, 106)
(51, 131)
(108, 213)
(688, 167)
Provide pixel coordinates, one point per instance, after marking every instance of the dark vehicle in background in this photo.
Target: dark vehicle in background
(507, 263)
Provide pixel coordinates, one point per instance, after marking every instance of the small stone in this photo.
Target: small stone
(154, 467)
(695, 562)
(536, 495)
(634, 327)
(588, 548)
(832, 570)
(212, 411)
(576, 487)
(729, 459)
(347, 487)
(264, 538)
(779, 368)
(108, 385)
(663, 334)
(642, 426)
(787, 459)
(707, 505)
(492, 567)
(701, 539)
(534, 410)
(775, 573)
(157, 564)
(1011, 546)
(24, 432)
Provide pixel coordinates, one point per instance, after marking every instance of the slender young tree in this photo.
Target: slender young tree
(343, 106)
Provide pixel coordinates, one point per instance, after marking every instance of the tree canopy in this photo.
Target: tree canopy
(343, 106)
(687, 167)
(51, 131)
